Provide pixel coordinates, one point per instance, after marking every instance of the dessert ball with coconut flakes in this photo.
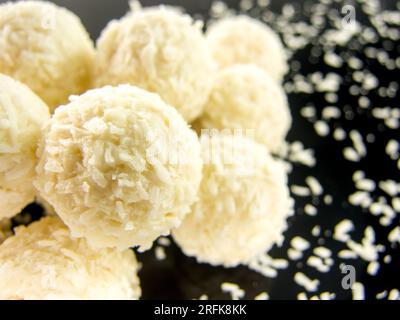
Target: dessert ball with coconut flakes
(22, 116)
(160, 50)
(242, 40)
(42, 261)
(119, 166)
(47, 48)
(246, 97)
(243, 203)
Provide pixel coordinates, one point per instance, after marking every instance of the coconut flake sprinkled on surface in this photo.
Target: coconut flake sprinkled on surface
(308, 284)
(358, 291)
(262, 296)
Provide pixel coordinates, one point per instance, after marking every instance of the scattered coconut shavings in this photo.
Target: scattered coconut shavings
(373, 268)
(387, 259)
(310, 210)
(300, 190)
(347, 254)
(358, 291)
(321, 128)
(358, 143)
(339, 134)
(318, 264)
(391, 187)
(324, 296)
(322, 252)
(316, 231)
(351, 154)
(302, 296)
(342, 229)
(381, 295)
(333, 60)
(262, 296)
(328, 200)
(160, 253)
(394, 235)
(300, 243)
(163, 241)
(314, 185)
(394, 294)
(366, 250)
(308, 112)
(308, 284)
(392, 149)
(267, 266)
(331, 112)
(233, 289)
(297, 154)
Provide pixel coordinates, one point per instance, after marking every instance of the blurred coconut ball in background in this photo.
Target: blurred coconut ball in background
(108, 166)
(243, 40)
(42, 261)
(47, 48)
(243, 203)
(246, 97)
(161, 50)
(22, 116)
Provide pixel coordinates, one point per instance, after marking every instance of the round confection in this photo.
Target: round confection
(242, 40)
(22, 116)
(160, 50)
(243, 203)
(119, 166)
(43, 262)
(246, 97)
(47, 48)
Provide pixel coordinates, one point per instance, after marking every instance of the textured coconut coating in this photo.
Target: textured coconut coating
(161, 50)
(243, 204)
(242, 40)
(47, 48)
(246, 97)
(119, 166)
(42, 261)
(22, 116)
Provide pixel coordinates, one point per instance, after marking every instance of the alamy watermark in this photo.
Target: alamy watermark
(350, 276)
(349, 16)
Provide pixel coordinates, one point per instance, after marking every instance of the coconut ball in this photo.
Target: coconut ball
(22, 116)
(243, 203)
(160, 50)
(242, 40)
(43, 262)
(119, 166)
(246, 97)
(47, 48)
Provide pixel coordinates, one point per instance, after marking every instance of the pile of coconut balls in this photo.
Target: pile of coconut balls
(102, 137)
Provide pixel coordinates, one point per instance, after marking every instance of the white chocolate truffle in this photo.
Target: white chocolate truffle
(22, 116)
(43, 262)
(243, 203)
(119, 166)
(242, 40)
(47, 48)
(246, 97)
(162, 51)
